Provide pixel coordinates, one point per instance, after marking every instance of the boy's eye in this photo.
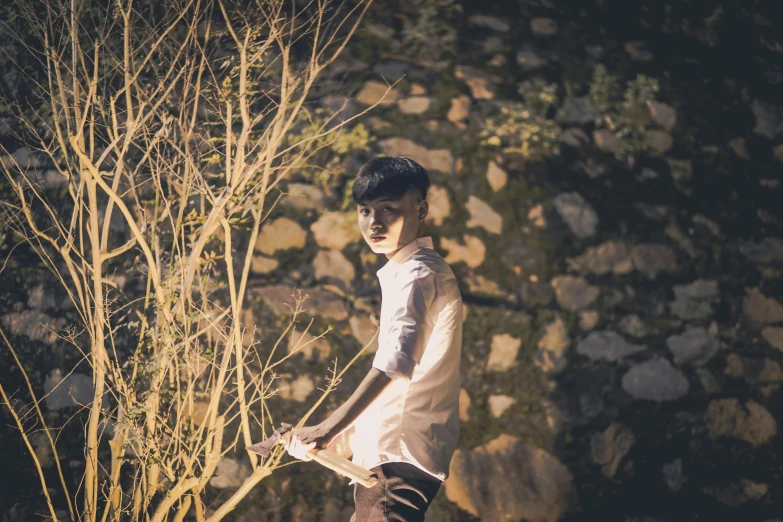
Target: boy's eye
(387, 208)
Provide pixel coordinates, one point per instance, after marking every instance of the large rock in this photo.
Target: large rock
(498, 404)
(655, 380)
(482, 215)
(280, 234)
(490, 22)
(335, 230)
(577, 213)
(774, 336)
(440, 160)
(761, 309)
(767, 251)
(230, 474)
(573, 293)
(607, 346)
(414, 104)
(302, 195)
(651, 259)
(34, 324)
(65, 390)
(440, 206)
(695, 345)
(363, 329)
(332, 263)
(695, 300)
(459, 110)
(750, 422)
(550, 357)
(503, 354)
(481, 84)
(508, 480)
(307, 344)
(496, 176)
(610, 447)
(755, 370)
(471, 250)
(769, 118)
(608, 257)
(374, 92)
(662, 114)
(633, 325)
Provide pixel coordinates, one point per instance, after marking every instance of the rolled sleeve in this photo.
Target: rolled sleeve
(408, 329)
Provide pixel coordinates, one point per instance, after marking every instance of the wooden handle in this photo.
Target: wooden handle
(344, 467)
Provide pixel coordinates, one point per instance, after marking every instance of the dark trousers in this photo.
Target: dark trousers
(403, 493)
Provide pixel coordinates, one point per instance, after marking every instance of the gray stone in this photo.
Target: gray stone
(695, 300)
(662, 114)
(482, 215)
(536, 216)
(414, 104)
(658, 141)
(496, 176)
(302, 195)
(297, 390)
(440, 159)
(230, 474)
(576, 137)
(633, 325)
(610, 447)
(767, 251)
(507, 479)
(673, 476)
(529, 60)
(498, 404)
(364, 328)
(280, 234)
(491, 22)
(573, 293)
(503, 354)
(481, 84)
(608, 257)
(755, 370)
(651, 259)
(375, 92)
(440, 206)
(606, 140)
(332, 263)
(307, 344)
(460, 108)
(608, 346)
(543, 26)
(769, 118)
(577, 213)
(761, 309)
(738, 493)
(588, 319)
(34, 324)
(638, 51)
(695, 345)
(550, 357)
(750, 422)
(335, 230)
(41, 298)
(471, 250)
(263, 265)
(655, 380)
(66, 390)
(575, 111)
(24, 159)
(774, 336)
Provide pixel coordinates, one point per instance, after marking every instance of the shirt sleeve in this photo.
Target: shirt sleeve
(408, 330)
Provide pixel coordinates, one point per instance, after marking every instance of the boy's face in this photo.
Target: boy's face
(387, 225)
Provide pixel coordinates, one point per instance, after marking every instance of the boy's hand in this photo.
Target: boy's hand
(304, 439)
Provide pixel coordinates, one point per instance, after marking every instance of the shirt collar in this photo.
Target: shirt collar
(390, 268)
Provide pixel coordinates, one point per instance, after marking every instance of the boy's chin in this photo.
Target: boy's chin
(381, 249)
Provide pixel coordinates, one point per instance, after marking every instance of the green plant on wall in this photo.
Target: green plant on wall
(331, 150)
(525, 128)
(622, 110)
(427, 31)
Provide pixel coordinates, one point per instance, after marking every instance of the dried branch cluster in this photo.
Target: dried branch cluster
(168, 121)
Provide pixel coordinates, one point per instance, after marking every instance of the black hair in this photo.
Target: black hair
(389, 176)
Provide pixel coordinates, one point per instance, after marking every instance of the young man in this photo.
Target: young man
(406, 410)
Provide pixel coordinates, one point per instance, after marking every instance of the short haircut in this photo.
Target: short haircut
(390, 177)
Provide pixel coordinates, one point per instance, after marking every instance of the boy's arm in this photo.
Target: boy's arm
(318, 436)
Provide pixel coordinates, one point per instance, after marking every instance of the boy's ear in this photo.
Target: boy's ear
(424, 208)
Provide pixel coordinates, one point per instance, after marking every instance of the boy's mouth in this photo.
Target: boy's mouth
(376, 239)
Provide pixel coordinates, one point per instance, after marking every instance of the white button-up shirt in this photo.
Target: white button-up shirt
(415, 419)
